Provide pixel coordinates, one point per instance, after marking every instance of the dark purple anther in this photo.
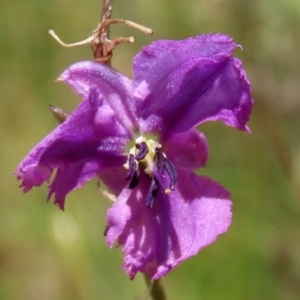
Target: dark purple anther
(164, 164)
(134, 180)
(133, 173)
(143, 150)
(172, 174)
(132, 167)
(152, 192)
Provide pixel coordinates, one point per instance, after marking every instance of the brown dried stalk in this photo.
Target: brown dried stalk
(99, 41)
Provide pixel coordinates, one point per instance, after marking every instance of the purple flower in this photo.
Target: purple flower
(139, 137)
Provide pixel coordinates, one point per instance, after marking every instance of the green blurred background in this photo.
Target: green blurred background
(49, 254)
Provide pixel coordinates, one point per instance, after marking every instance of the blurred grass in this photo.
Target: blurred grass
(46, 254)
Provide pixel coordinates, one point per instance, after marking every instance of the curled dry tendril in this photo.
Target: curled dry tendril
(99, 41)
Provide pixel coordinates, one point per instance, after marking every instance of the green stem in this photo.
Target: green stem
(156, 289)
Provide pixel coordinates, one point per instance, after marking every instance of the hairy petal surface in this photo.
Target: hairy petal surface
(116, 89)
(177, 226)
(192, 81)
(70, 177)
(187, 150)
(114, 179)
(90, 141)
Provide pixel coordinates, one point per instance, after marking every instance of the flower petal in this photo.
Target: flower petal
(70, 177)
(116, 89)
(177, 226)
(89, 141)
(190, 82)
(114, 179)
(188, 150)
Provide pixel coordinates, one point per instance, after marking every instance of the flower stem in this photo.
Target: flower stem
(106, 11)
(156, 289)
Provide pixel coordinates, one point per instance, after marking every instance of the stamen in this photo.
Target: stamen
(153, 189)
(159, 160)
(133, 173)
(164, 164)
(143, 150)
(172, 174)
(135, 180)
(132, 167)
(148, 154)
